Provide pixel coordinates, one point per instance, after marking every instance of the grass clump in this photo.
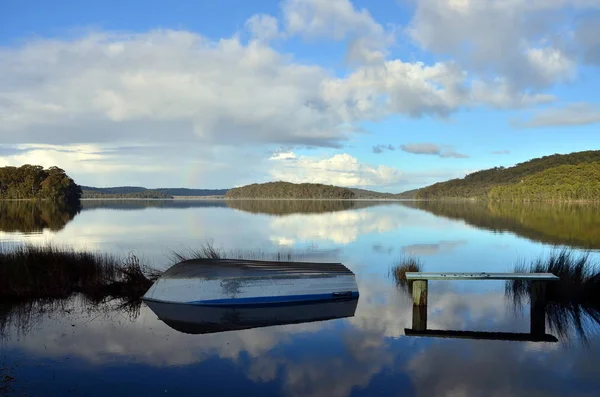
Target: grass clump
(209, 251)
(573, 301)
(49, 271)
(401, 267)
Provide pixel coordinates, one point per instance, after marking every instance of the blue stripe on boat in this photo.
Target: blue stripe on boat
(274, 300)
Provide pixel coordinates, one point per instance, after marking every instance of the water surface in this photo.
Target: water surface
(90, 348)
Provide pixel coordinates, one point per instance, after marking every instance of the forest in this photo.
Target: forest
(287, 190)
(557, 177)
(562, 183)
(143, 194)
(130, 192)
(36, 182)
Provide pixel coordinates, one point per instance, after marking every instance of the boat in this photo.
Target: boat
(195, 319)
(244, 283)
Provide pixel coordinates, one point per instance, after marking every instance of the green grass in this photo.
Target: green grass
(50, 271)
(573, 302)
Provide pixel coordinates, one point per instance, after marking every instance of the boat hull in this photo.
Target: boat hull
(194, 319)
(252, 283)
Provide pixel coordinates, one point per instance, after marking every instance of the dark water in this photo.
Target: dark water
(77, 347)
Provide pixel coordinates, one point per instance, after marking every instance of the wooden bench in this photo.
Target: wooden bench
(420, 279)
(538, 281)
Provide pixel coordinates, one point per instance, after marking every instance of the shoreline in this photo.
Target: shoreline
(221, 198)
(210, 198)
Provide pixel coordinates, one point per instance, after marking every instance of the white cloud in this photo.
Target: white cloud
(264, 27)
(334, 18)
(340, 170)
(502, 94)
(161, 86)
(177, 86)
(569, 115)
(338, 20)
(525, 42)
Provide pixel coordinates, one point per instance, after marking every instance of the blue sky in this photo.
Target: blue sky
(386, 95)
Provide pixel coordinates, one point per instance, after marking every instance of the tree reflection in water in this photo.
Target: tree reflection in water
(35, 216)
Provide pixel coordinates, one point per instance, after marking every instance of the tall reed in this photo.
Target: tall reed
(573, 302)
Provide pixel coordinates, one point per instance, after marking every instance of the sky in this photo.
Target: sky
(386, 95)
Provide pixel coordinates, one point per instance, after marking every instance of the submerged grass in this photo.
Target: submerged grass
(50, 271)
(573, 301)
(401, 267)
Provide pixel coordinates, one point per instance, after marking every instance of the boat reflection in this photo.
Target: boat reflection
(193, 319)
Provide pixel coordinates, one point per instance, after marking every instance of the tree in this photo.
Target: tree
(35, 182)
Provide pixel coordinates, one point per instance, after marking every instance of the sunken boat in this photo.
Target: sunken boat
(249, 283)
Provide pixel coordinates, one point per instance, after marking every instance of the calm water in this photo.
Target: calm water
(76, 347)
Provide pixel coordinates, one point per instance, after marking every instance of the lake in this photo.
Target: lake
(79, 347)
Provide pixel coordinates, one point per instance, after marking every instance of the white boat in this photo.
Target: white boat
(194, 319)
(232, 282)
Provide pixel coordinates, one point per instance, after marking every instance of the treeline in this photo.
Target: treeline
(142, 192)
(35, 182)
(363, 194)
(563, 183)
(287, 190)
(145, 194)
(480, 184)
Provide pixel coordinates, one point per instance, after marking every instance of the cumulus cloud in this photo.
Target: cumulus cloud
(570, 115)
(338, 20)
(378, 149)
(264, 27)
(432, 149)
(177, 86)
(535, 50)
(161, 85)
(340, 170)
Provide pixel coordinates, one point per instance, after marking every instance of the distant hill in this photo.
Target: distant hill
(408, 195)
(96, 193)
(362, 194)
(192, 192)
(144, 193)
(313, 191)
(562, 183)
(555, 177)
(287, 190)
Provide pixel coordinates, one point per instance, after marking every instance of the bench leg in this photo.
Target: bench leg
(538, 307)
(419, 289)
(419, 319)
